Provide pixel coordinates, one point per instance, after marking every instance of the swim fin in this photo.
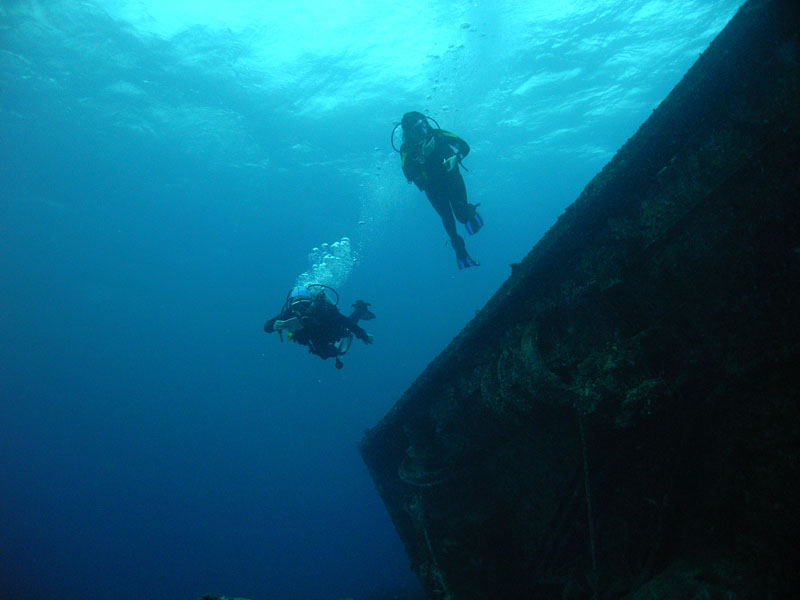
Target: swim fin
(361, 312)
(474, 224)
(465, 261)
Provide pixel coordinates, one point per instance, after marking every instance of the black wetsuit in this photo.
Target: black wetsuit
(445, 189)
(322, 328)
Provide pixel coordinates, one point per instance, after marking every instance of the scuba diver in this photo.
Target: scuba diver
(310, 318)
(430, 157)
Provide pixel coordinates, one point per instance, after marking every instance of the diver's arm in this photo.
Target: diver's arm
(460, 146)
(351, 326)
(291, 325)
(463, 148)
(361, 334)
(405, 164)
(269, 326)
(279, 323)
(411, 169)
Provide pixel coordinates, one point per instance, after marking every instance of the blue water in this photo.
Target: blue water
(166, 169)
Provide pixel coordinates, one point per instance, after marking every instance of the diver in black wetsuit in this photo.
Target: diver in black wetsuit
(314, 321)
(430, 157)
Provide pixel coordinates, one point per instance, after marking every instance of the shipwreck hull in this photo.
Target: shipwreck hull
(622, 417)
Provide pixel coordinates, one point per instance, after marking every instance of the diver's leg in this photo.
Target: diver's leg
(458, 199)
(465, 212)
(442, 206)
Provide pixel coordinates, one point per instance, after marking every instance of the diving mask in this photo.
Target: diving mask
(300, 306)
(418, 132)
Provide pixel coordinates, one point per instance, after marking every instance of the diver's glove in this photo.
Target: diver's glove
(363, 336)
(450, 163)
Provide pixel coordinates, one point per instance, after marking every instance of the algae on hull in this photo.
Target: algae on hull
(659, 312)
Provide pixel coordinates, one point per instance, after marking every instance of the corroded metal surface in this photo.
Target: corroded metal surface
(624, 411)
